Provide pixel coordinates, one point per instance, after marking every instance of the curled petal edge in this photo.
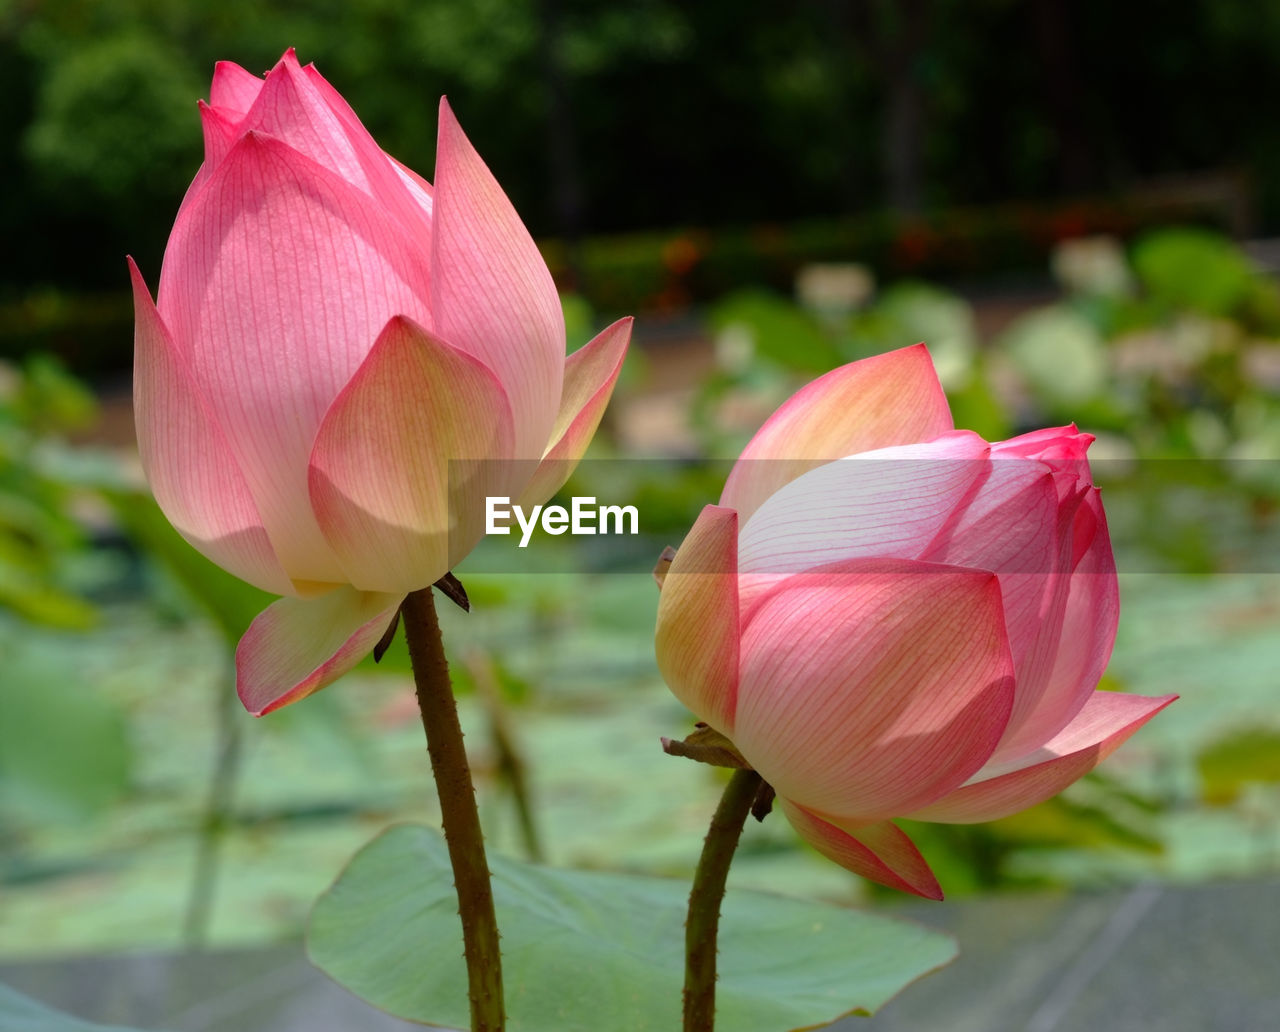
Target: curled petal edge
(880, 852)
(1105, 722)
(295, 647)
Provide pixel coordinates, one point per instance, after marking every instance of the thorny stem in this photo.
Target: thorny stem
(703, 923)
(458, 811)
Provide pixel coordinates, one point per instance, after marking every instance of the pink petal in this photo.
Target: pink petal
(396, 503)
(1106, 720)
(879, 852)
(1086, 634)
(697, 634)
(299, 108)
(1063, 447)
(874, 687)
(219, 130)
(874, 403)
(889, 502)
(419, 189)
(189, 465)
(491, 294)
(233, 89)
(219, 135)
(296, 647)
(422, 191)
(589, 378)
(1014, 526)
(277, 280)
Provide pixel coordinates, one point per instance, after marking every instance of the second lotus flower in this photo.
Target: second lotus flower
(893, 618)
(331, 331)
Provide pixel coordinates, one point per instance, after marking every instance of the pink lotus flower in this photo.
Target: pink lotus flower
(330, 331)
(893, 618)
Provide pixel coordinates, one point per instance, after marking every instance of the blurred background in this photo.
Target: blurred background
(1074, 203)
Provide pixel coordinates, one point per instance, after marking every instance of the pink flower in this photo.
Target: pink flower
(330, 331)
(893, 618)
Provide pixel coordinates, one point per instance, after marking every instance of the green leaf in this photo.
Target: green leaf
(20, 1013)
(1193, 268)
(1248, 756)
(584, 951)
(913, 311)
(777, 329)
(230, 601)
(64, 749)
(1061, 356)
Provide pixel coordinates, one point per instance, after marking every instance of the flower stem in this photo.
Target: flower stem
(216, 819)
(704, 901)
(458, 811)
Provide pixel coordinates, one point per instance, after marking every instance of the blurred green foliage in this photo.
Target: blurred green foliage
(65, 752)
(38, 404)
(1229, 765)
(1172, 352)
(780, 113)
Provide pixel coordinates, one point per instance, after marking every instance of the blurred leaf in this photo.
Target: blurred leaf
(779, 330)
(64, 749)
(579, 321)
(31, 597)
(1098, 813)
(383, 931)
(50, 399)
(20, 1013)
(976, 407)
(37, 529)
(1251, 756)
(1060, 354)
(230, 601)
(910, 312)
(1193, 268)
(1064, 823)
(113, 120)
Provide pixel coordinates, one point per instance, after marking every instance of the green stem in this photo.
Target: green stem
(216, 819)
(704, 901)
(458, 811)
